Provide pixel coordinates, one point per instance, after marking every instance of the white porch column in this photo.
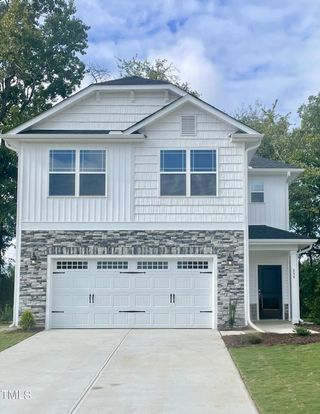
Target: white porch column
(295, 300)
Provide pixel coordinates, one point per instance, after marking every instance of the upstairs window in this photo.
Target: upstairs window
(92, 173)
(188, 125)
(257, 192)
(203, 173)
(77, 173)
(62, 172)
(173, 172)
(188, 172)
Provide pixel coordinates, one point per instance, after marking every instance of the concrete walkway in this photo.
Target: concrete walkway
(122, 372)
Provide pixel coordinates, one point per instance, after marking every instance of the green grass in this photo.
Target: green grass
(282, 379)
(12, 338)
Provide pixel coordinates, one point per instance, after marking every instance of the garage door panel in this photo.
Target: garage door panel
(184, 300)
(161, 283)
(161, 319)
(121, 319)
(202, 319)
(161, 300)
(142, 282)
(121, 300)
(121, 283)
(103, 300)
(203, 282)
(142, 300)
(202, 300)
(183, 283)
(103, 282)
(80, 319)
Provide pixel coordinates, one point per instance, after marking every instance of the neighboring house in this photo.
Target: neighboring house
(140, 205)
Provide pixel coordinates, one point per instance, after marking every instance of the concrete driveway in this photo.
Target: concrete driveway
(121, 372)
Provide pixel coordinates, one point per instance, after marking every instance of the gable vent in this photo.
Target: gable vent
(188, 125)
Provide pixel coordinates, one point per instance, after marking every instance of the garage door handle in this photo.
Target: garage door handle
(93, 298)
(170, 297)
(90, 298)
(132, 311)
(174, 298)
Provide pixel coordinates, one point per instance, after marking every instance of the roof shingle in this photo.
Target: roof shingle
(260, 162)
(134, 80)
(267, 232)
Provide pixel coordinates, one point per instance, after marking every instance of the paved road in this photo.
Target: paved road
(122, 372)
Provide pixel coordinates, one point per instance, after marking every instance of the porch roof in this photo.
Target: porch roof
(272, 238)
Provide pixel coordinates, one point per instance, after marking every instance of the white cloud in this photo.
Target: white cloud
(233, 51)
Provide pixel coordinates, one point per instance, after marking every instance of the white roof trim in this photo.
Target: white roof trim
(199, 103)
(83, 93)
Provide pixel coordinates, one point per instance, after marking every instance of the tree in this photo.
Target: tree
(40, 44)
(159, 69)
(269, 122)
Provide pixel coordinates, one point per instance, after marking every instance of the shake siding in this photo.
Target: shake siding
(227, 207)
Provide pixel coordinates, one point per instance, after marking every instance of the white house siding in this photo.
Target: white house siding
(274, 211)
(102, 110)
(227, 207)
(257, 258)
(37, 206)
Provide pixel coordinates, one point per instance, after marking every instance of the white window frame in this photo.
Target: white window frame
(188, 173)
(77, 172)
(252, 183)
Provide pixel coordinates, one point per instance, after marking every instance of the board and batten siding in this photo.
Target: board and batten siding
(226, 207)
(108, 111)
(37, 206)
(274, 211)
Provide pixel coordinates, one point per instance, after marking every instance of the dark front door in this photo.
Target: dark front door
(270, 292)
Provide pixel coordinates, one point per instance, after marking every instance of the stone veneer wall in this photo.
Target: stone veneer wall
(33, 278)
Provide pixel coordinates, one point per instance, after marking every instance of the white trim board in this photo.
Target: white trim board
(43, 226)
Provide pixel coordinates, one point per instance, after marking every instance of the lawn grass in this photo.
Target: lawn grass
(282, 379)
(8, 339)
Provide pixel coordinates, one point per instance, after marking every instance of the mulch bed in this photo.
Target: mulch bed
(269, 339)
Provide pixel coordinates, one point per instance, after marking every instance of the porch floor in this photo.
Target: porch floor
(275, 326)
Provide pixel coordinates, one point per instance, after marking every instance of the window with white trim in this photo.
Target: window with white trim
(173, 172)
(257, 192)
(77, 172)
(203, 177)
(188, 172)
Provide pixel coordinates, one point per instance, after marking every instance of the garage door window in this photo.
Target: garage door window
(72, 265)
(193, 265)
(152, 265)
(110, 265)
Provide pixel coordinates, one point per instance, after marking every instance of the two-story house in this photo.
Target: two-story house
(140, 205)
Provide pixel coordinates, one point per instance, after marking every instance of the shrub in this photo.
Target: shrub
(27, 321)
(301, 331)
(232, 313)
(6, 314)
(252, 339)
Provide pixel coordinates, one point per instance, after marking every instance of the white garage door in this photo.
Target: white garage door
(131, 293)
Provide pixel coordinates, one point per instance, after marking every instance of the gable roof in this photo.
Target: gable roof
(197, 102)
(261, 162)
(135, 80)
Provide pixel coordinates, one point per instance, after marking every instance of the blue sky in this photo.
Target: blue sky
(233, 52)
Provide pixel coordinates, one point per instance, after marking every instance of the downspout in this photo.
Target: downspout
(246, 241)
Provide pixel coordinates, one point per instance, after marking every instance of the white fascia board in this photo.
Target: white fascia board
(200, 104)
(241, 137)
(12, 140)
(86, 91)
(291, 173)
(280, 244)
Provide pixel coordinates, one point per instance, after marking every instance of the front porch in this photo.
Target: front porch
(274, 276)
